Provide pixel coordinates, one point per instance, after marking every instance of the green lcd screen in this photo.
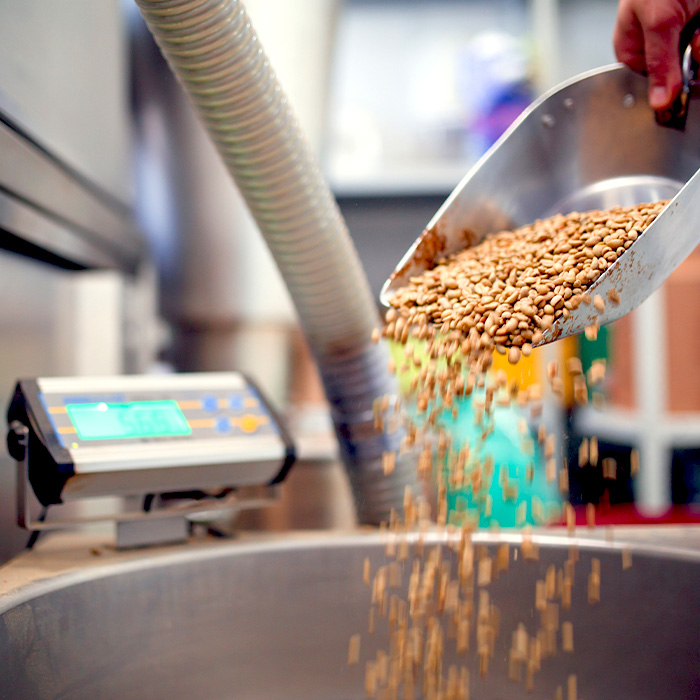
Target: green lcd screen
(137, 419)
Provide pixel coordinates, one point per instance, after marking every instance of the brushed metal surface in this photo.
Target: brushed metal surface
(65, 139)
(64, 77)
(272, 620)
(58, 210)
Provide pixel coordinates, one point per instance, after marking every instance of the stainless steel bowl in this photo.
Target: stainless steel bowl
(273, 620)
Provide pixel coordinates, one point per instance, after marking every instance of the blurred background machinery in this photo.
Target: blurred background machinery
(125, 248)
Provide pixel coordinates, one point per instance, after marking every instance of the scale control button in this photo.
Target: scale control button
(235, 402)
(250, 423)
(223, 424)
(210, 403)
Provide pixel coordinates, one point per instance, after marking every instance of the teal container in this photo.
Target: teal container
(529, 498)
(506, 446)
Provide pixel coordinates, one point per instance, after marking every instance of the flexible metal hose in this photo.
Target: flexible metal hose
(215, 54)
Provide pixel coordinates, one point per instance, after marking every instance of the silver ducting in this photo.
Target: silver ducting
(214, 51)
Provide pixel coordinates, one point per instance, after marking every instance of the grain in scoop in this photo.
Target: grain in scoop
(515, 284)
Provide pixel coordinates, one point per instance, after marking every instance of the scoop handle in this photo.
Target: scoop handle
(676, 115)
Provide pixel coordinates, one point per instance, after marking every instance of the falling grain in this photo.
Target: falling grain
(609, 468)
(502, 557)
(354, 650)
(484, 571)
(593, 451)
(591, 332)
(574, 366)
(594, 582)
(567, 636)
(500, 297)
(596, 373)
(570, 518)
(590, 515)
(388, 462)
(634, 462)
(371, 679)
(583, 453)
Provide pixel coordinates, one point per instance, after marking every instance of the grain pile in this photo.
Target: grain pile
(500, 295)
(508, 289)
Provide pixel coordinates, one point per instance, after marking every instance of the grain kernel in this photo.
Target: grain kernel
(593, 451)
(609, 468)
(583, 453)
(574, 366)
(388, 462)
(590, 515)
(567, 636)
(614, 296)
(634, 462)
(354, 650)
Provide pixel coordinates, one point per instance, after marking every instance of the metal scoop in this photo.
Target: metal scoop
(591, 143)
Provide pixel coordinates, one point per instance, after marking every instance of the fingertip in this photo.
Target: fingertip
(659, 97)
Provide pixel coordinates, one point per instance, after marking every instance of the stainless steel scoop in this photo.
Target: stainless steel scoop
(591, 143)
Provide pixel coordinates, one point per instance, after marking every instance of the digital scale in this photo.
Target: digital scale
(211, 438)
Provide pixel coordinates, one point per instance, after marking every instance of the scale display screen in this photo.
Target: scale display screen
(137, 419)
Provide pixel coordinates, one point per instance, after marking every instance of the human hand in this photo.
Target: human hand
(646, 38)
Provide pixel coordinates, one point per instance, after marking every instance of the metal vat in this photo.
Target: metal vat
(272, 619)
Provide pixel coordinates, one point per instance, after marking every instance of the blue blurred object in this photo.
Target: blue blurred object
(494, 85)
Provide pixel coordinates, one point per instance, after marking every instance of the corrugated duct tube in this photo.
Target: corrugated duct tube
(213, 50)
